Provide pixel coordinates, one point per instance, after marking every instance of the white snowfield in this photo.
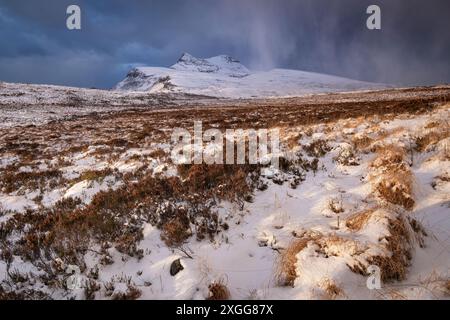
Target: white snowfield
(225, 77)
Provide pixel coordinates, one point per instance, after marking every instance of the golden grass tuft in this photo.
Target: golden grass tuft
(358, 220)
(431, 124)
(394, 178)
(285, 273)
(334, 245)
(218, 291)
(95, 175)
(293, 140)
(394, 265)
(388, 155)
(423, 142)
(397, 190)
(331, 289)
(362, 142)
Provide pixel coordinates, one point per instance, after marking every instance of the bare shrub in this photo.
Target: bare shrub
(95, 175)
(132, 293)
(13, 180)
(158, 154)
(346, 156)
(90, 288)
(26, 294)
(317, 148)
(127, 244)
(335, 205)
(176, 231)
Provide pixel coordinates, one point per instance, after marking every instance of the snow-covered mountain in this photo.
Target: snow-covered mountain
(223, 65)
(224, 76)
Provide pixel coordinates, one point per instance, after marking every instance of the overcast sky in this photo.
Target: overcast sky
(328, 36)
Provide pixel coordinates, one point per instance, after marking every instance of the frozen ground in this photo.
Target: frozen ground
(25, 104)
(364, 181)
(28, 104)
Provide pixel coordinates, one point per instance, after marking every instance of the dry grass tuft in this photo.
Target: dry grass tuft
(290, 138)
(317, 149)
(397, 190)
(388, 155)
(362, 142)
(229, 182)
(285, 273)
(431, 124)
(218, 291)
(335, 205)
(394, 265)
(332, 290)
(358, 220)
(95, 175)
(334, 245)
(394, 181)
(346, 156)
(423, 142)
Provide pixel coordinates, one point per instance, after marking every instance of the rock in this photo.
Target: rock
(176, 267)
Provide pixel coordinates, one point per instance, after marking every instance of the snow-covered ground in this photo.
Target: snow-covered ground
(223, 76)
(30, 104)
(311, 234)
(25, 104)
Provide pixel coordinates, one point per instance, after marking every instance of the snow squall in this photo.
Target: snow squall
(224, 76)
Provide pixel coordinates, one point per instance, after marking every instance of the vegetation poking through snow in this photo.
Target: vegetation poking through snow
(100, 193)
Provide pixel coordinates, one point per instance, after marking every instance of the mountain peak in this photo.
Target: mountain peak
(225, 76)
(186, 57)
(224, 64)
(227, 58)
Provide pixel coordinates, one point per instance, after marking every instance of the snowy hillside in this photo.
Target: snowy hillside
(224, 65)
(224, 76)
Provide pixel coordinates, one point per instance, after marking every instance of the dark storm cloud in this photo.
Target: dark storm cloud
(327, 36)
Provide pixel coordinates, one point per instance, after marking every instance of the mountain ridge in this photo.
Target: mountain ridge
(225, 77)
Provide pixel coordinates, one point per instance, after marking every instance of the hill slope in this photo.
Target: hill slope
(224, 76)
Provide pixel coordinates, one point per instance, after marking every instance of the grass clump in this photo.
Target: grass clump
(358, 220)
(286, 273)
(218, 291)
